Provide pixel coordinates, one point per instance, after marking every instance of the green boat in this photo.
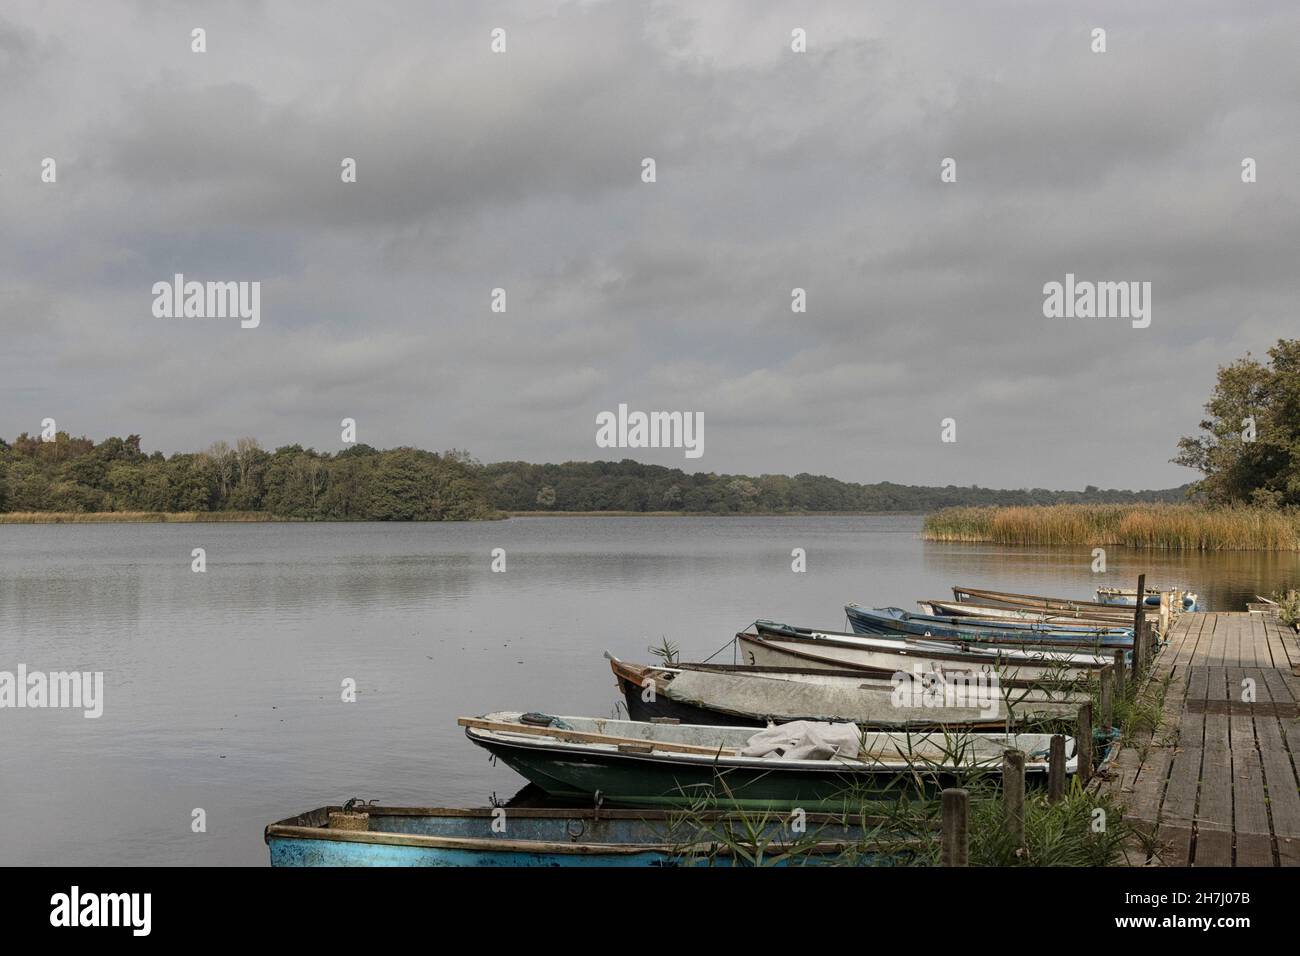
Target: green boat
(633, 763)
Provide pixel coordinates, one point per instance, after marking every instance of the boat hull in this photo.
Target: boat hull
(768, 649)
(1013, 634)
(440, 837)
(1036, 602)
(1127, 597)
(628, 763)
(1112, 618)
(737, 695)
(632, 780)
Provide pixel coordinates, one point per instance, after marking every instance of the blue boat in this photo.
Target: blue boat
(533, 836)
(896, 622)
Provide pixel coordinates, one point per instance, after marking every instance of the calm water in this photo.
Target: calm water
(222, 690)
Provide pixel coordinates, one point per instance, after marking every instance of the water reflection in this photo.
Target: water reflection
(223, 688)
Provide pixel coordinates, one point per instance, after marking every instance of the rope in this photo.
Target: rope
(735, 648)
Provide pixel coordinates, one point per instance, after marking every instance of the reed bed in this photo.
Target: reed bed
(1169, 526)
(130, 517)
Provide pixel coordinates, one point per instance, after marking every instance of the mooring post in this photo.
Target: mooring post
(1083, 742)
(1141, 650)
(1013, 794)
(1120, 667)
(1056, 769)
(1165, 613)
(1105, 700)
(1139, 615)
(955, 848)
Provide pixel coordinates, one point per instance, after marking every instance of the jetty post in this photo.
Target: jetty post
(1083, 742)
(1106, 699)
(1013, 794)
(1139, 638)
(1056, 769)
(955, 848)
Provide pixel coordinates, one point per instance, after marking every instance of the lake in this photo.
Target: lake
(222, 689)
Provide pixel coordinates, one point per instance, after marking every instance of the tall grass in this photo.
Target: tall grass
(101, 517)
(1190, 527)
(1288, 607)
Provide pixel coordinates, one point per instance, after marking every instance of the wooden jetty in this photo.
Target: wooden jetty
(1215, 784)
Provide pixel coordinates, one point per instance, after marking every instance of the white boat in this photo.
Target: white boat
(741, 695)
(1127, 597)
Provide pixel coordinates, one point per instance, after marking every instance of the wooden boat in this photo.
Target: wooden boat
(1127, 597)
(781, 645)
(647, 764)
(1036, 601)
(738, 695)
(527, 837)
(895, 621)
(1114, 617)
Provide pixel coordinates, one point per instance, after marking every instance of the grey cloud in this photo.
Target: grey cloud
(775, 171)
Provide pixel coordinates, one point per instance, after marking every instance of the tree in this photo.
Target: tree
(1249, 446)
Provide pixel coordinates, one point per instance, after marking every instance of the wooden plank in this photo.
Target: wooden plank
(1180, 793)
(1283, 792)
(1213, 848)
(1278, 688)
(1288, 851)
(1217, 683)
(1214, 809)
(1148, 793)
(1174, 845)
(1254, 849)
(1250, 809)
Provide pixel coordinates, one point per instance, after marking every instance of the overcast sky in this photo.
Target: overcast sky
(775, 170)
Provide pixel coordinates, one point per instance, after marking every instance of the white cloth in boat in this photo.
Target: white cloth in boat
(805, 740)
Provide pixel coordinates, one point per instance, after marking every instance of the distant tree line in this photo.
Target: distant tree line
(632, 486)
(362, 483)
(407, 484)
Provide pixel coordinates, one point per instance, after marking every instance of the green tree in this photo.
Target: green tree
(1249, 446)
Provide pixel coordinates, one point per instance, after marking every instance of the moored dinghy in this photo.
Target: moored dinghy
(1127, 597)
(746, 696)
(781, 645)
(1036, 602)
(892, 620)
(648, 764)
(440, 836)
(1112, 617)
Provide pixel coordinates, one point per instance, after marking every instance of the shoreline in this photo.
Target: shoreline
(261, 517)
(1174, 527)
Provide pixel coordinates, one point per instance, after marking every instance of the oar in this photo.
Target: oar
(582, 736)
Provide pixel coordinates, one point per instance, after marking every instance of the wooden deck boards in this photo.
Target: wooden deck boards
(1216, 782)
